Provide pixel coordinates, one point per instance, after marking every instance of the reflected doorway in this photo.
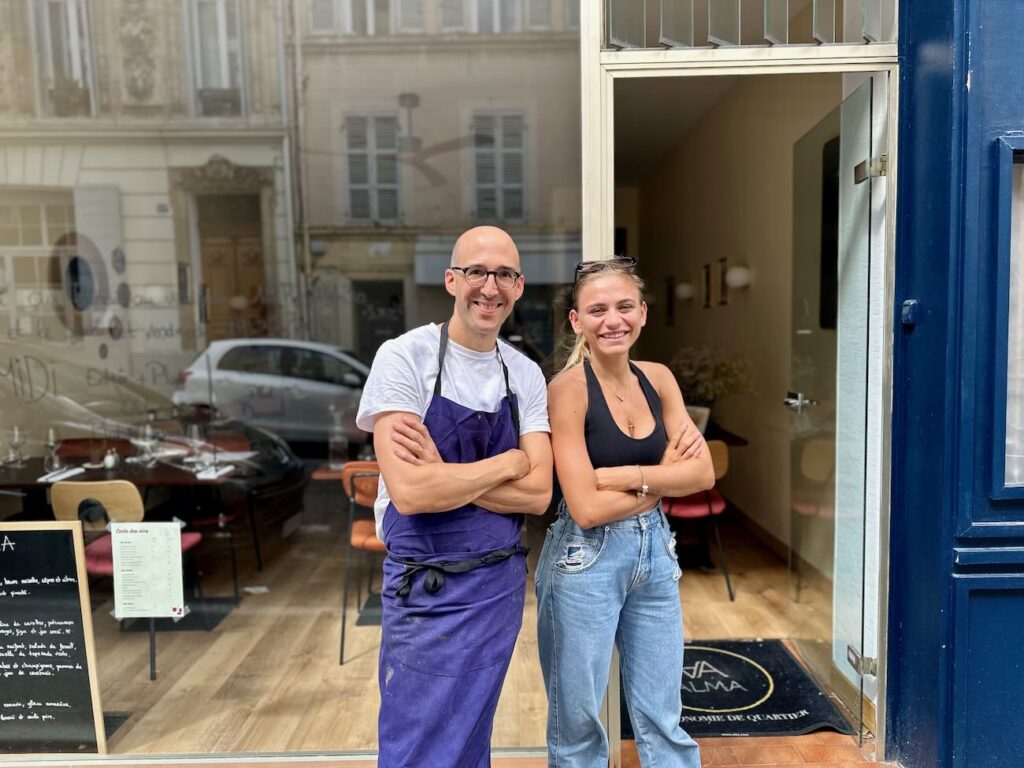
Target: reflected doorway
(378, 314)
(233, 275)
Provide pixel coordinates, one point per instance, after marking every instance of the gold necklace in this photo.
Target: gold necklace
(629, 419)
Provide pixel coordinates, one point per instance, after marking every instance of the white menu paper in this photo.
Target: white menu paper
(147, 570)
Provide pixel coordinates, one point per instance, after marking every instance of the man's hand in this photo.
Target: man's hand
(520, 463)
(685, 444)
(413, 444)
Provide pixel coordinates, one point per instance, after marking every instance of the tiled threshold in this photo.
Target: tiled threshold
(815, 750)
(825, 749)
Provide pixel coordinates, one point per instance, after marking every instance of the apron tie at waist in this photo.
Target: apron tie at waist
(434, 579)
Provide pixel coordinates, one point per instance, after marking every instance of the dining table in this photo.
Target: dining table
(30, 480)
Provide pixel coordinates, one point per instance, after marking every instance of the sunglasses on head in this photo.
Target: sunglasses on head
(617, 262)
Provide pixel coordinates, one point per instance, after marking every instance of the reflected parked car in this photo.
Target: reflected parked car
(283, 385)
(94, 409)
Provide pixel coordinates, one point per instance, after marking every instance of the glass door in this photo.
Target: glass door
(838, 167)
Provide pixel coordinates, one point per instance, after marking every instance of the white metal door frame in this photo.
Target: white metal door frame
(598, 71)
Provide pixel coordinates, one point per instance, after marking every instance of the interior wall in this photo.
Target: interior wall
(627, 215)
(725, 191)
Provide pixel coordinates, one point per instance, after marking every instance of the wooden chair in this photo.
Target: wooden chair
(359, 480)
(811, 497)
(95, 504)
(707, 505)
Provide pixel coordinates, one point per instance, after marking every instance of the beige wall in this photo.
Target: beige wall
(726, 191)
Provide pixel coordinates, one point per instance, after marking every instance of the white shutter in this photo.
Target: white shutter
(322, 17)
(486, 168)
(409, 15)
(512, 167)
(387, 204)
(539, 13)
(385, 133)
(511, 16)
(512, 199)
(359, 203)
(357, 134)
(453, 15)
(486, 203)
(499, 167)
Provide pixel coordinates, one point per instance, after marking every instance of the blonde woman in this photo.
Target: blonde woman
(608, 572)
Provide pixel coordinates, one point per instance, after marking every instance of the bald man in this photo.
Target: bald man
(460, 427)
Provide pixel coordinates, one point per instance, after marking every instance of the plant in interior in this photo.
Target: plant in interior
(707, 374)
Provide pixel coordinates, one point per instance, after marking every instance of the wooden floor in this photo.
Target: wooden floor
(267, 679)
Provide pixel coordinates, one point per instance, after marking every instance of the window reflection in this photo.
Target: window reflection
(200, 278)
(64, 56)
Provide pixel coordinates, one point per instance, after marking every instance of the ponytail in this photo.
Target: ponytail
(579, 352)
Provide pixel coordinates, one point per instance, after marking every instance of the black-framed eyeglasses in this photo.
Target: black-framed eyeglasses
(506, 279)
(617, 262)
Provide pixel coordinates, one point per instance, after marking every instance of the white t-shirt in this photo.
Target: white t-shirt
(402, 379)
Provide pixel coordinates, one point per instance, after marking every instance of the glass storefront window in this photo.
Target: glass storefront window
(197, 266)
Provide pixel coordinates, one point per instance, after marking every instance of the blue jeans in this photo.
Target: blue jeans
(615, 583)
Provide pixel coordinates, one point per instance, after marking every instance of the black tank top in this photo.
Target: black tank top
(608, 445)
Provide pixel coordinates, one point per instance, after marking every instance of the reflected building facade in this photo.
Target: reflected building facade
(423, 119)
(145, 201)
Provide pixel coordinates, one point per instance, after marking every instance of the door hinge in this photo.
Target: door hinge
(876, 166)
(862, 665)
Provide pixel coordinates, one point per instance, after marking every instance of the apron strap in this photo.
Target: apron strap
(435, 572)
(443, 347)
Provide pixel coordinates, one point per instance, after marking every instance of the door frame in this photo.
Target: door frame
(599, 70)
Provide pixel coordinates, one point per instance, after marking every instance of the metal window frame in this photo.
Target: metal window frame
(373, 186)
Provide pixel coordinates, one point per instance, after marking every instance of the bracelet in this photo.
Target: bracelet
(644, 488)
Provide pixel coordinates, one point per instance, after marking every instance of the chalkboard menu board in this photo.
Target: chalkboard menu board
(49, 697)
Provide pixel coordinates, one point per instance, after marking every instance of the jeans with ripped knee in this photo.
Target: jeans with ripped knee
(614, 583)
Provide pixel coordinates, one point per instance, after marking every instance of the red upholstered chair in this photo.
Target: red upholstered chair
(96, 504)
(706, 505)
(359, 480)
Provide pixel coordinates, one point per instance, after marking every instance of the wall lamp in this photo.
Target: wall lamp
(738, 277)
(685, 291)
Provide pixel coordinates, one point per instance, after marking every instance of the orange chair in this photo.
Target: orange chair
(359, 480)
(707, 505)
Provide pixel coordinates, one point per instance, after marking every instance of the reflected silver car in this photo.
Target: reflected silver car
(283, 385)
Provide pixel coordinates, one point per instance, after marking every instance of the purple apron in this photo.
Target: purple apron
(454, 587)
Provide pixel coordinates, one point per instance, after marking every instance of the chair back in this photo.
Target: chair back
(719, 457)
(359, 479)
(818, 459)
(120, 498)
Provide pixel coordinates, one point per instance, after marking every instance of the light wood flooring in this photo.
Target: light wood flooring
(267, 678)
